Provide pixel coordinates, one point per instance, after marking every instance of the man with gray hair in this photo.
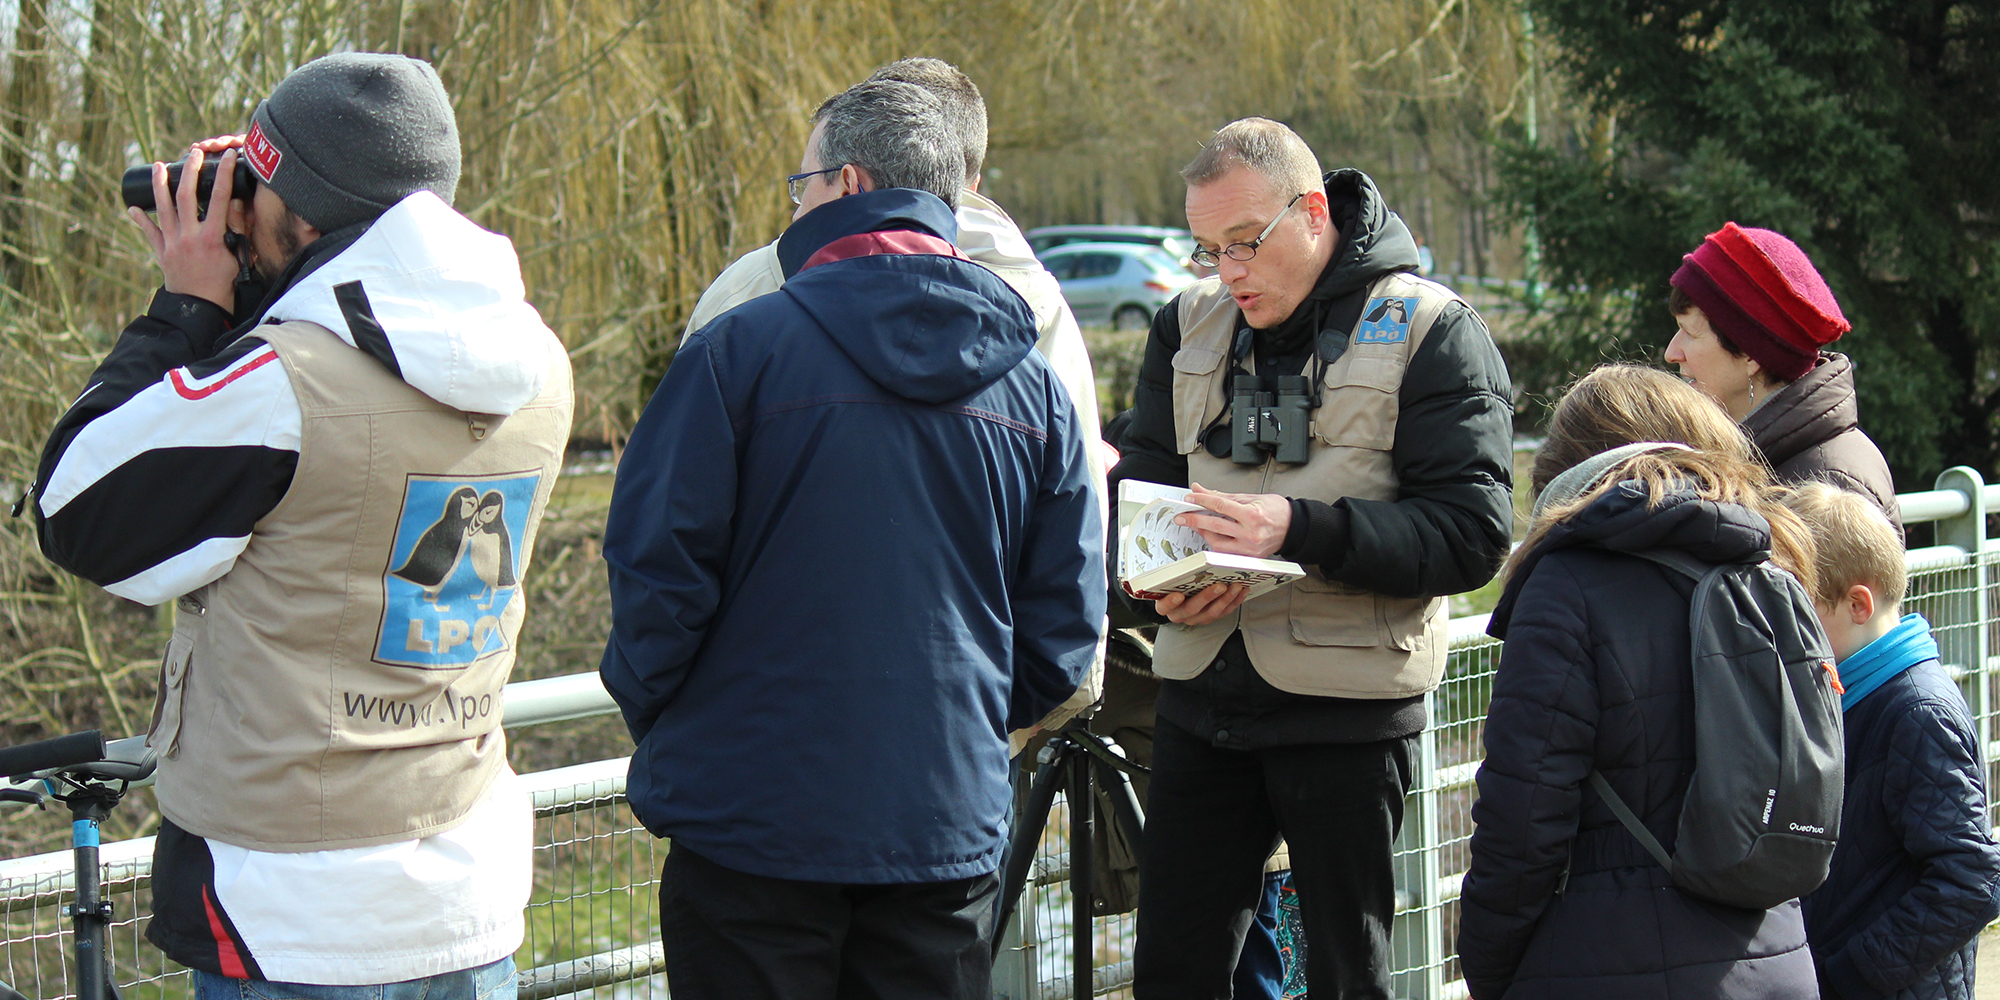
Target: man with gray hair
(988, 236)
(853, 543)
(1292, 716)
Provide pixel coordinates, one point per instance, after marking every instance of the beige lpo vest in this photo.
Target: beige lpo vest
(340, 685)
(1314, 636)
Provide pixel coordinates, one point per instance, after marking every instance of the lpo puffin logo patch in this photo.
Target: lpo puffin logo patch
(455, 568)
(1386, 320)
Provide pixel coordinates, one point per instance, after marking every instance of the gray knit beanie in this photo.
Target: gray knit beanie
(347, 136)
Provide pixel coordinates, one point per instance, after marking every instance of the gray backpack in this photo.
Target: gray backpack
(1763, 808)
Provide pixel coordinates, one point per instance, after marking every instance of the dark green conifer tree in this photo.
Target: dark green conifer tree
(1866, 130)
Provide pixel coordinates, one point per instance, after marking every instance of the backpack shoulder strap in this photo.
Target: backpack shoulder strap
(1675, 559)
(1631, 821)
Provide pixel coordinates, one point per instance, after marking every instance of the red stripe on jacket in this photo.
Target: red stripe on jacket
(226, 954)
(205, 391)
(896, 241)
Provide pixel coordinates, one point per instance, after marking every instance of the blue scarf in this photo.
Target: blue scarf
(1875, 664)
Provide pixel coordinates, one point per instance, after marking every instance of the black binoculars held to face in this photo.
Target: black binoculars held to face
(138, 184)
(1264, 424)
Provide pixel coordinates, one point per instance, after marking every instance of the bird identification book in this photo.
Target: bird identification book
(1157, 556)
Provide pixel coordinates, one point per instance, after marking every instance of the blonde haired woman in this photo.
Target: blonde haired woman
(1596, 675)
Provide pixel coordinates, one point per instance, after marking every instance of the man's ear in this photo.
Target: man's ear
(854, 180)
(1318, 215)
(1860, 604)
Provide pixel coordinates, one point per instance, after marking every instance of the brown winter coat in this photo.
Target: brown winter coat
(1809, 431)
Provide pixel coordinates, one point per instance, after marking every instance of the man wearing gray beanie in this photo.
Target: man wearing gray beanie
(330, 441)
(348, 136)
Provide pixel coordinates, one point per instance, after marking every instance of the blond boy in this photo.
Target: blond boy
(1917, 873)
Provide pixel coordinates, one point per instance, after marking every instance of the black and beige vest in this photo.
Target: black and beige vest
(1314, 636)
(341, 685)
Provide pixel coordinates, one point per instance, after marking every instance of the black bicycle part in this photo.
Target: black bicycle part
(91, 777)
(90, 914)
(51, 754)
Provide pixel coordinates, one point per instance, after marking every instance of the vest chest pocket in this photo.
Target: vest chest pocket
(1197, 398)
(1362, 399)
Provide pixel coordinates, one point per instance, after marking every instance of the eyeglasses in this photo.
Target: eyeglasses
(1241, 251)
(796, 183)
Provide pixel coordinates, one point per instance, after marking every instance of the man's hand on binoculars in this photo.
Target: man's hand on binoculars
(1244, 524)
(193, 258)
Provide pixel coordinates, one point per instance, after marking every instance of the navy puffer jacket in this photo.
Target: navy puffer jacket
(1916, 874)
(1596, 674)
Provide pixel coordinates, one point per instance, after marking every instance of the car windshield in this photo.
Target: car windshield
(1164, 262)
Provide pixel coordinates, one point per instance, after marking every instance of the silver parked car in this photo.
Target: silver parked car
(1178, 242)
(1121, 284)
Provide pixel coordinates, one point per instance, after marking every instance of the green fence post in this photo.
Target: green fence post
(1416, 938)
(1967, 646)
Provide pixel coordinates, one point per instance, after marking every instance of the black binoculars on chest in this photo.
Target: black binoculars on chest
(1263, 423)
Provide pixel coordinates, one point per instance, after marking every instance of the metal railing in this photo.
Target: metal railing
(593, 917)
(593, 922)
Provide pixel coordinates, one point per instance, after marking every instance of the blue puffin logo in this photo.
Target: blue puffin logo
(1386, 320)
(454, 568)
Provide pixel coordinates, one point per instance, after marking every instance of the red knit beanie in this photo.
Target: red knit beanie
(1759, 290)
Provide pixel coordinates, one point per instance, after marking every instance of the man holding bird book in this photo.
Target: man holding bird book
(1329, 408)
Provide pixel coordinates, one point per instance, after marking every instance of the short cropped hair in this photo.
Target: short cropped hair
(1854, 543)
(1265, 146)
(965, 109)
(897, 132)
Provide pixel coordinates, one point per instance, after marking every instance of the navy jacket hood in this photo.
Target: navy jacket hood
(931, 340)
(1622, 521)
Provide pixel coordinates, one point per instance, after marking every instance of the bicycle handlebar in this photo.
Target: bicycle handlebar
(62, 751)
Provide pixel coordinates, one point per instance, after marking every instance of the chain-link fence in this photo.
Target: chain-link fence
(593, 921)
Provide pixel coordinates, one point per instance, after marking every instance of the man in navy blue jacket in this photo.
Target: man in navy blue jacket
(852, 544)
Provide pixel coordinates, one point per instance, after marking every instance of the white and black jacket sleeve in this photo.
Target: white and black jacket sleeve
(150, 483)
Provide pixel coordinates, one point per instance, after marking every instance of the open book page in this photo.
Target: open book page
(1148, 538)
(1152, 549)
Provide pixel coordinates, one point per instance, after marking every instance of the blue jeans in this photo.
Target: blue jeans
(494, 981)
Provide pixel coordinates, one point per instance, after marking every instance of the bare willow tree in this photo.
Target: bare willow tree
(631, 149)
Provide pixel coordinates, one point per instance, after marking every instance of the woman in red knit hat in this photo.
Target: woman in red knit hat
(1754, 316)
